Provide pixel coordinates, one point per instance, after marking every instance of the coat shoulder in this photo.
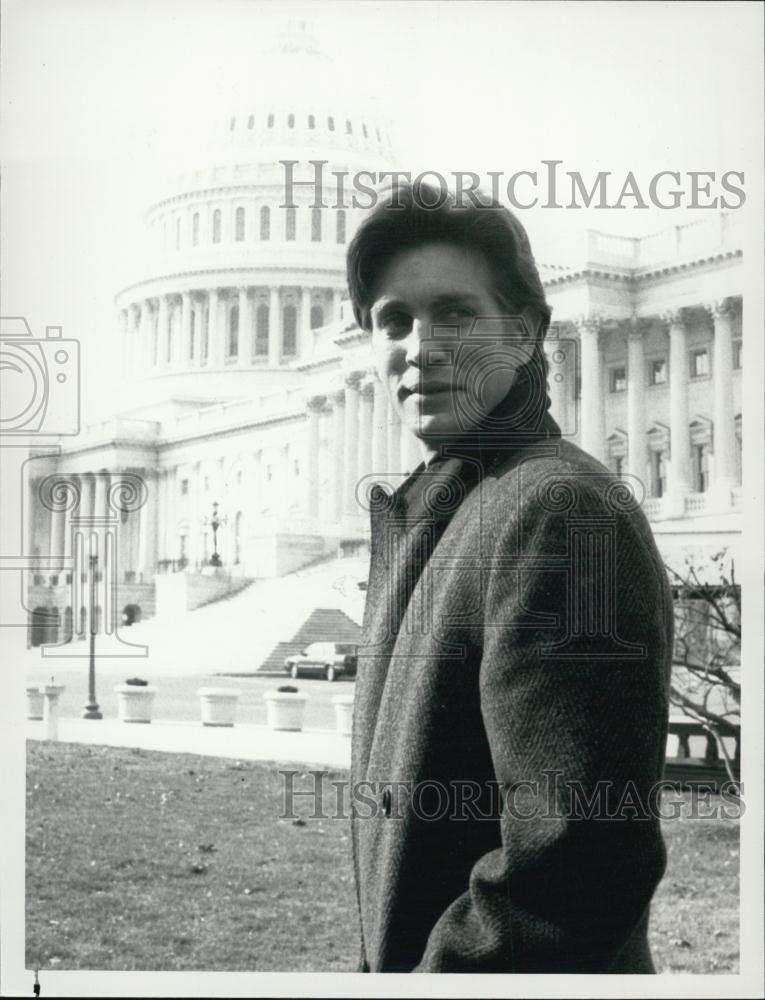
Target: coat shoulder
(558, 477)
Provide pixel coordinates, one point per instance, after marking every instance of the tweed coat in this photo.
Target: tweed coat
(517, 635)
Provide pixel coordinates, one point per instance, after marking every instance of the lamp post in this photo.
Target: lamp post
(91, 710)
(215, 522)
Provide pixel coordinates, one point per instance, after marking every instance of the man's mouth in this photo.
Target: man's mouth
(426, 389)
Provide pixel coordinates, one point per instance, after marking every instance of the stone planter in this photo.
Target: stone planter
(50, 695)
(218, 706)
(343, 713)
(134, 703)
(285, 710)
(34, 702)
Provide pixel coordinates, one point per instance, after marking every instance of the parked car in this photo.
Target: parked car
(328, 658)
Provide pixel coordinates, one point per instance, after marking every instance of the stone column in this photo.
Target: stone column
(557, 382)
(337, 298)
(163, 331)
(132, 361)
(161, 481)
(214, 348)
(637, 455)
(592, 421)
(147, 528)
(172, 501)
(380, 430)
(57, 528)
(246, 351)
(304, 347)
(679, 441)
(144, 336)
(195, 515)
(315, 406)
(197, 334)
(722, 380)
(184, 346)
(366, 433)
(393, 442)
(274, 329)
(338, 450)
(351, 470)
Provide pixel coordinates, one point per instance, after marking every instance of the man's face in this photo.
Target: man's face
(445, 384)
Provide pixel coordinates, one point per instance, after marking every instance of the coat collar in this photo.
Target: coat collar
(434, 491)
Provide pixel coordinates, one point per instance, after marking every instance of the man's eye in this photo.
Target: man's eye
(395, 322)
(456, 314)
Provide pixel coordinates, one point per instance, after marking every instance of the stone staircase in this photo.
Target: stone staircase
(238, 634)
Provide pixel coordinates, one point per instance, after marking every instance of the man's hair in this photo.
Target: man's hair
(402, 220)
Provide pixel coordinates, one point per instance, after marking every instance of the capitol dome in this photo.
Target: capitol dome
(237, 275)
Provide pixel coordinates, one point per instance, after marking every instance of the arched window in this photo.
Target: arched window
(192, 333)
(232, 348)
(317, 317)
(316, 225)
(177, 234)
(290, 121)
(348, 127)
(195, 229)
(331, 124)
(261, 331)
(232, 126)
(341, 225)
(265, 223)
(364, 131)
(251, 121)
(271, 121)
(239, 227)
(216, 226)
(289, 330)
(311, 121)
(377, 133)
(289, 224)
(238, 538)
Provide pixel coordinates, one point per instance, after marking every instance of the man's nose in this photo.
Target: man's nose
(417, 343)
(430, 346)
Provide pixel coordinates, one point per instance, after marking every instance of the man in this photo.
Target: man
(517, 633)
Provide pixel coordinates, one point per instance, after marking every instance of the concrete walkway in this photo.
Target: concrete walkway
(243, 742)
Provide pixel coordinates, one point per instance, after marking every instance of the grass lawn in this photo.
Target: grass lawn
(140, 860)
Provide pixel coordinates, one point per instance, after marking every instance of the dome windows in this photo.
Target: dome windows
(265, 223)
(290, 121)
(216, 226)
(239, 225)
(251, 122)
(232, 126)
(289, 330)
(364, 131)
(348, 127)
(331, 124)
(195, 229)
(311, 122)
(317, 317)
(316, 225)
(271, 121)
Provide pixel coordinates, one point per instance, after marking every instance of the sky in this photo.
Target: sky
(97, 96)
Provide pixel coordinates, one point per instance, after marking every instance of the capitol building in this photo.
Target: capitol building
(251, 410)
